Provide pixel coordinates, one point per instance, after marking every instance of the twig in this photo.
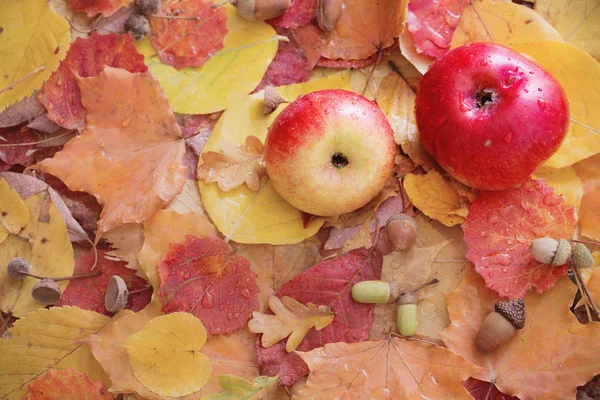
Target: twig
(423, 286)
(39, 141)
(175, 17)
(29, 75)
(585, 290)
(64, 278)
(87, 239)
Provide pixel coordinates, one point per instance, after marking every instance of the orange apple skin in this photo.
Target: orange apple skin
(303, 139)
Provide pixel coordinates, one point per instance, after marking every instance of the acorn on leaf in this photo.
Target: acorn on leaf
(559, 252)
(499, 326)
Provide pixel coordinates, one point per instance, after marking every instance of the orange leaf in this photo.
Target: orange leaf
(547, 359)
(589, 212)
(66, 384)
(386, 369)
(130, 155)
(235, 166)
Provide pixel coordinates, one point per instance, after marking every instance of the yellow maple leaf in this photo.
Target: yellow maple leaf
(436, 197)
(45, 243)
(291, 318)
(241, 214)
(14, 215)
(579, 76)
(47, 339)
(578, 22)
(501, 22)
(34, 40)
(236, 165)
(227, 77)
(165, 355)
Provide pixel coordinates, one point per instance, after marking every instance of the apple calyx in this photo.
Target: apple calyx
(339, 160)
(484, 97)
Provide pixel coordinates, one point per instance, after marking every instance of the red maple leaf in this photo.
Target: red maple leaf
(432, 23)
(328, 283)
(501, 225)
(86, 57)
(188, 43)
(481, 390)
(88, 293)
(203, 276)
(301, 12)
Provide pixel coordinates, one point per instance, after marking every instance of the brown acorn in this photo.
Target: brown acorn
(499, 327)
(401, 232)
(260, 10)
(328, 14)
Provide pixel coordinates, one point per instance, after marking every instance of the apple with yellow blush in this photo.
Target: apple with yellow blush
(330, 152)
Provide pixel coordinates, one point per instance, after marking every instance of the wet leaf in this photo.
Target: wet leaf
(564, 181)
(66, 384)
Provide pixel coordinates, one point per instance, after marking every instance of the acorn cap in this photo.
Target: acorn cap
(147, 7)
(17, 268)
(138, 26)
(408, 298)
(115, 298)
(46, 292)
(581, 256)
(513, 311)
(562, 253)
(272, 100)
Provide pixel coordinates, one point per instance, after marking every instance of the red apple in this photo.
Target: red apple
(490, 116)
(330, 152)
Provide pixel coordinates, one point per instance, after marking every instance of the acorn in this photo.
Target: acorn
(260, 10)
(115, 298)
(138, 26)
(407, 317)
(272, 100)
(18, 268)
(550, 251)
(499, 327)
(147, 7)
(46, 291)
(401, 232)
(375, 292)
(328, 14)
(581, 257)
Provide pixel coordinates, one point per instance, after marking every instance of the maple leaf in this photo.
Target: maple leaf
(236, 165)
(291, 319)
(433, 23)
(88, 294)
(547, 359)
(129, 156)
(300, 12)
(61, 94)
(66, 384)
(499, 228)
(202, 275)
(481, 390)
(328, 283)
(188, 43)
(92, 8)
(388, 368)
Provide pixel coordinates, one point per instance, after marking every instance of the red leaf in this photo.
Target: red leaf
(94, 7)
(432, 23)
(88, 293)
(499, 228)
(204, 277)
(86, 57)
(300, 13)
(21, 155)
(328, 283)
(66, 384)
(188, 43)
(481, 390)
(341, 63)
(289, 66)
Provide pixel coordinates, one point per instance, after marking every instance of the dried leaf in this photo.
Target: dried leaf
(130, 155)
(61, 94)
(389, 368)
(47, 339)
(188, 200)
(126, 242)
(203, 275)
(547, 359)
(92, 8)
(500, 227)
(291, 319)
(24, 110)
(236, 388)
(236, 165)
(39, 39)
(174, 342)
(66, 384)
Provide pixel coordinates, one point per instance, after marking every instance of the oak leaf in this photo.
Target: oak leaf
(236, 388)
(35, 39)
(235, 165)
(547, 359)
(203, 275)
(291, 319)
(46, 339)
(93, 8)
(87, 57)
(327, 283)
(130, 154)
(188, 43)
(388, 368)
(501, 225)
(66, 384)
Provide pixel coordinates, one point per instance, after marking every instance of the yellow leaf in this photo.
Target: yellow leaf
(188, 200)
(501, 22)
(227, 77)
(291, 319)
(564, 181)
(579, 75)
(48, 339)
(14, 215)
(436, 197)
(45, 244)
(165, 355)
(261, 388)
(578, 22)
(33, 42)
(241, 214)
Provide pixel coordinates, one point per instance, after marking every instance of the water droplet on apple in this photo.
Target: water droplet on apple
(506, 289)
(541, 103)
(464, 107)
(484, 63)
(186, 275)
(487, 143)
(540, 89)
(245, 292)
(521, 239)
(526, 91)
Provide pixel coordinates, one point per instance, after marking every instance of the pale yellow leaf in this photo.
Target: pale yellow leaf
(188, 200)
(34, 40)
(47, 339)
(291, 319)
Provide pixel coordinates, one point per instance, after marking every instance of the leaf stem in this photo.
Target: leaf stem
(39, 141)
(423, 286)
(585, 290)
(140, 290)
(64, 278)
(175, 17)
(29, 75)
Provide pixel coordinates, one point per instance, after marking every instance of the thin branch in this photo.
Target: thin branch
(585, 290)
(39, 141)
